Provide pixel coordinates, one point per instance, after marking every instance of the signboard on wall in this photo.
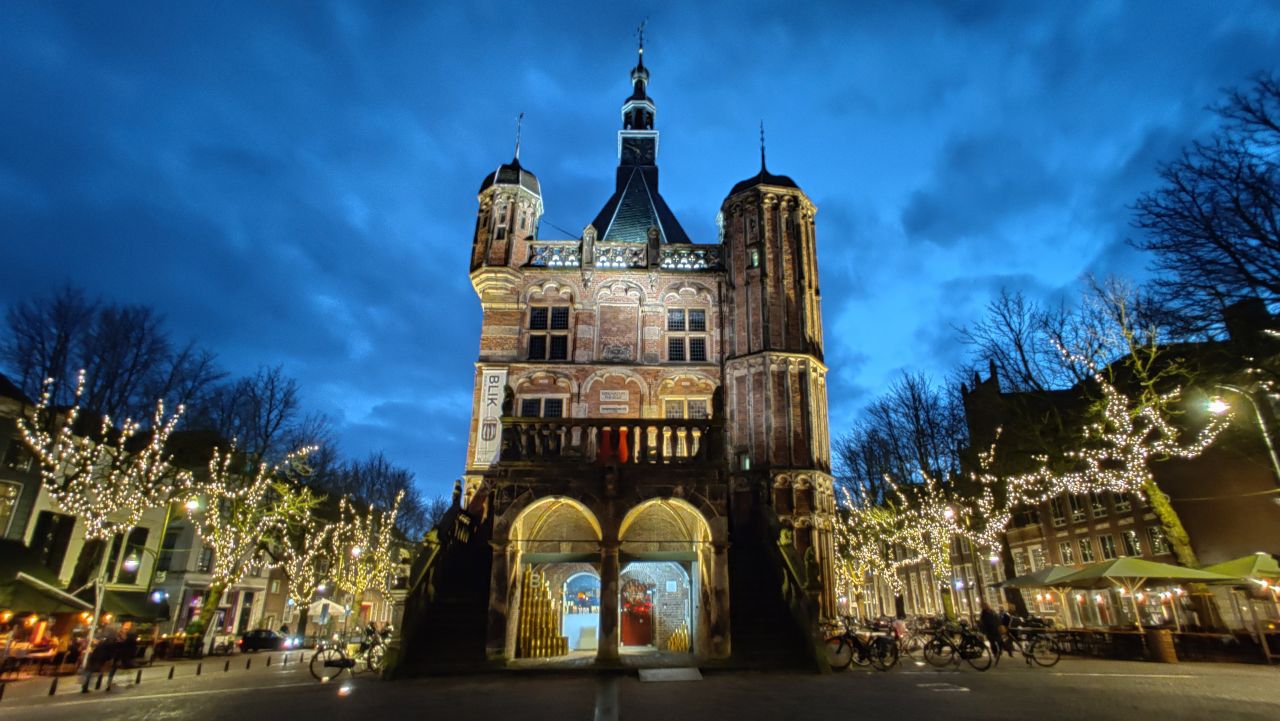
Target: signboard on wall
(493, 384)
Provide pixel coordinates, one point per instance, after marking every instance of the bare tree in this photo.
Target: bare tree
(1214, 224)
(916, 427)
(124, 350)
(376, 481)
(259, 411)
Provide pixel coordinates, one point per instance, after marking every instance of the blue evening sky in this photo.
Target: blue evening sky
(294, 182)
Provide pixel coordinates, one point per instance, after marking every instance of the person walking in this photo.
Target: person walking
(104, 651)
(989, 622)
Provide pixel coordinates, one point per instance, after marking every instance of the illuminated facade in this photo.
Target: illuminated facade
(649, 451)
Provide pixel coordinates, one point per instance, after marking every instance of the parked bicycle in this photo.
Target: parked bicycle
(952, 642)
(847, 644)
(1033, 639)
(329, 662)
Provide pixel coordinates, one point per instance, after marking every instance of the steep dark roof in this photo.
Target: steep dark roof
(635, 208)
(512, 174)
(764, 178)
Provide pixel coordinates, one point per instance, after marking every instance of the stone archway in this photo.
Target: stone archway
(548, 541)
(666, 543)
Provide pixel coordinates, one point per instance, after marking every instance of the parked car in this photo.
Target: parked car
(261, 640)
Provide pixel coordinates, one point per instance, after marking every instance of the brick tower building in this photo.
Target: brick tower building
(649, 459)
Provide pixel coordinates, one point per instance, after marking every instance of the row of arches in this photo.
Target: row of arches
(644, 583)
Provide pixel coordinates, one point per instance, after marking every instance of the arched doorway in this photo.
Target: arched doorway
(667, 561)
(555, 542)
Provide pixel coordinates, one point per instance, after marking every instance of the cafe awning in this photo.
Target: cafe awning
(27, 586)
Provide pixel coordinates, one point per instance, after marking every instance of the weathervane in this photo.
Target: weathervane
(640, 34)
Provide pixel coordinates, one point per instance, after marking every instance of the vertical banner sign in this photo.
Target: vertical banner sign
(493, 383)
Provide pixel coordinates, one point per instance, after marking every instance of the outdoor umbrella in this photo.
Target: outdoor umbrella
(1255, 567)
(1259, 568)
(1131, 574)
(1047, 577)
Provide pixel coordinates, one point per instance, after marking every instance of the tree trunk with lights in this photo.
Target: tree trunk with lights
(1174, 531)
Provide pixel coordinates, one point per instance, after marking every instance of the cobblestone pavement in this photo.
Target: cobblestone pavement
(1074, 689)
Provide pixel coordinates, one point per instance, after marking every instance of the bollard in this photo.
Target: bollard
(3, 684)
(247, 661)
(98, 686)
(268, 660)
(227, 665)
(138, 680)
(53, 687)
(171, 668)
(198, 665)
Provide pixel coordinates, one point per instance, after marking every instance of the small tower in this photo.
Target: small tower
(774, 377)
(510, 210)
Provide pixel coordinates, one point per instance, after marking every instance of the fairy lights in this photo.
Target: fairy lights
(242, 510)
(101, 479)
(360, 546)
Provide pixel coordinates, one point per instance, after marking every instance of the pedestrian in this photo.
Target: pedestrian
(103, 652)
(125, 651)
(1006, 623)
(989, 622)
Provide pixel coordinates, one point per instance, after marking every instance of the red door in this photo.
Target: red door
(637, 614)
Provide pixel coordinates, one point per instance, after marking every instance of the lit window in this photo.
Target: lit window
(1097, 504)
(1123, 505)
(1131, 545)
(692, 408)
(1159, 541)
(1077, 508)
(1086, 551)
(753, 258)
(1058, 511)
(1107, 543)
(1067, 553)
(9, 493)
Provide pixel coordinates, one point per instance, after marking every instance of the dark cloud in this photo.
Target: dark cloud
(295, 183)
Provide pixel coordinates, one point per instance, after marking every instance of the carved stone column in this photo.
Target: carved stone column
(609, 571)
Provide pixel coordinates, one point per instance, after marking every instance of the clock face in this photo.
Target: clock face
(637, 151)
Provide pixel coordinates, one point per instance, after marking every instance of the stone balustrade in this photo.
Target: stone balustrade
(635, 441)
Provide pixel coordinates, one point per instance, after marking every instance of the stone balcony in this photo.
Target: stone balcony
(622, 442)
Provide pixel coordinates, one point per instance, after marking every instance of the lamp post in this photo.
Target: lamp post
(1218, 406)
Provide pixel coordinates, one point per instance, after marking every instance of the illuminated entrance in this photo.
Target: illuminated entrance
(557, 594)
(665, 551)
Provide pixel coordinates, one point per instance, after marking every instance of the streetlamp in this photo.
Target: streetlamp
(1219, 406)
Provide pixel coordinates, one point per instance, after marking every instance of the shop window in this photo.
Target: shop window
(1107, 543)
(549, 332)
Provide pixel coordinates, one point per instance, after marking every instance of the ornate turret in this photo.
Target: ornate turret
(510, 210)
